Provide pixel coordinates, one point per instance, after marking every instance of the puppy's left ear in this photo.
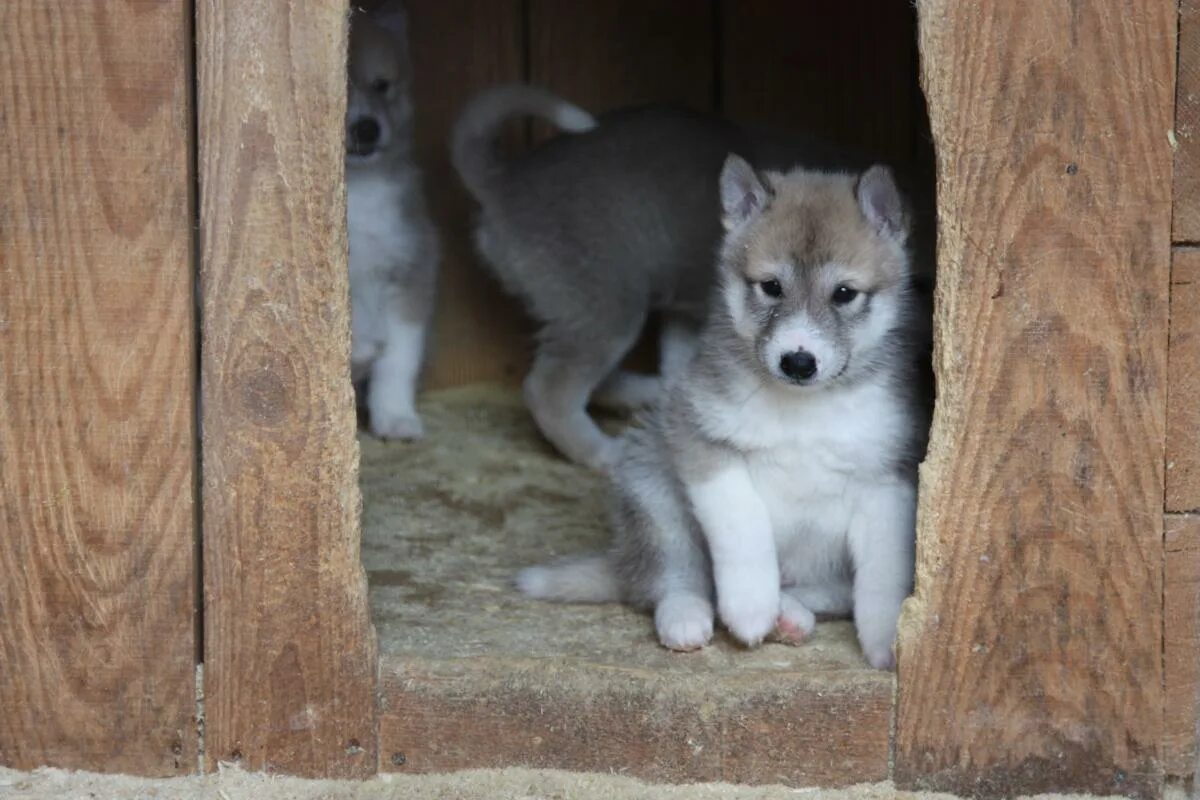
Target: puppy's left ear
(392, 17)
(743, 193)
(881, 202)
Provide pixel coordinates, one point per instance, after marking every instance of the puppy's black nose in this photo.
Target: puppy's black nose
(365, 132)
(799, 365)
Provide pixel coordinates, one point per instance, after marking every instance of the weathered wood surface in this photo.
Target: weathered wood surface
(97, 453)
(1181, 635)
(1031, 655)
(458, 48)
(1186, 214)
(290, 658)
(821, 729)
(1183, 384)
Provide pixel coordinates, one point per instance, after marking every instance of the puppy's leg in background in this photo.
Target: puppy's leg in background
(569, 365)
(624, 390)
(740, 539)
(392, 391)
(882, 532)
(664, 564)
(677, 343)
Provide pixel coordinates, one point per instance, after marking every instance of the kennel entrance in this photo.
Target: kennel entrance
(1033, 655)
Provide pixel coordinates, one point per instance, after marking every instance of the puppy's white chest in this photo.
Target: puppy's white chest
(814, 456)
(381, 240)
(379, 233)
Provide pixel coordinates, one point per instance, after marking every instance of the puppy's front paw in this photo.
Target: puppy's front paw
(795, 621)
(684, 622)
(749, 607)
(387, 424)
(881, 657)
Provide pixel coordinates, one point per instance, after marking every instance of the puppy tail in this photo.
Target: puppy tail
(472, 145)
(583, 579)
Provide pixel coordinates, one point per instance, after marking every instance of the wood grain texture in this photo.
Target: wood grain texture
(815, 730)
(1183, 384)
(1186, 226)
(290, 659)
(1031, 654)
(831, 69)
(458, 48)
(1181, 640)
(97, 447)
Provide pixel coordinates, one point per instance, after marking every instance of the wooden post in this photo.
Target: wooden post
(290, 659)
(97, 444)
(1031, 655)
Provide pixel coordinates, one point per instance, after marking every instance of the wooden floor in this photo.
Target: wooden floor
(475, 675)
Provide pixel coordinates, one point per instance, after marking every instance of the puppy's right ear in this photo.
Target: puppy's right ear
(743, 193)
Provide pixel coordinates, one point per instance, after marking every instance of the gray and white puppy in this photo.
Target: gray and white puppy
(393, 244)
(593, 231)
(778, 478)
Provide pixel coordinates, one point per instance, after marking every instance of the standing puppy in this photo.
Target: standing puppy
(598, 227)
(779, 477)
(393, 244)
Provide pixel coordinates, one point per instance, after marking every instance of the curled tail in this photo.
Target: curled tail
(472, 143)
(583, 579)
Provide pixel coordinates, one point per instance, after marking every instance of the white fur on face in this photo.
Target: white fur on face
(799, 333)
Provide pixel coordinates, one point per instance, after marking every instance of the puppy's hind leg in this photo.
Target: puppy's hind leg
(569, 365)
(662, 563)
(624, 391)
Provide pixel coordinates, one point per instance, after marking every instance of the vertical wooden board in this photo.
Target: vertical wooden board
(290, 657)
(1183, 383)
(832, 69)
(1031, 653)
(97, 446)
(601, 55)
(458, 48)
(1186, 226)
(1181, 640)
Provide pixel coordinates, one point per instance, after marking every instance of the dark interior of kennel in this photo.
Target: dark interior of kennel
(481, 676)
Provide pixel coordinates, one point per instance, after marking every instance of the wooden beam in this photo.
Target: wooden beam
(1031, 654)
(1181, 633)
(290, 658)
(801, 729)
(97, 445)
(1183, 383)
(1186, 226)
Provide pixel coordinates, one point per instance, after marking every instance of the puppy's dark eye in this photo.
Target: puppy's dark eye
(843, 295)
(380, 85)
(771, 288)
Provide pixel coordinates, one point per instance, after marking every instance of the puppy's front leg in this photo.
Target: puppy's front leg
(745, 567)
(392, 392)
(882, 541)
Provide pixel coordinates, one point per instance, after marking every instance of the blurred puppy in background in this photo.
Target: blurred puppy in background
(393, 243)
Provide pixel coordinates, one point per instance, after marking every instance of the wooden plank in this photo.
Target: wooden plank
(623, 52)
(97, 584)
(458, 48)
(1031, 654)
(829, 69)
(819, 729)
(290, 658)
(1187, 126)
(1183, 383)
(1181, 631)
